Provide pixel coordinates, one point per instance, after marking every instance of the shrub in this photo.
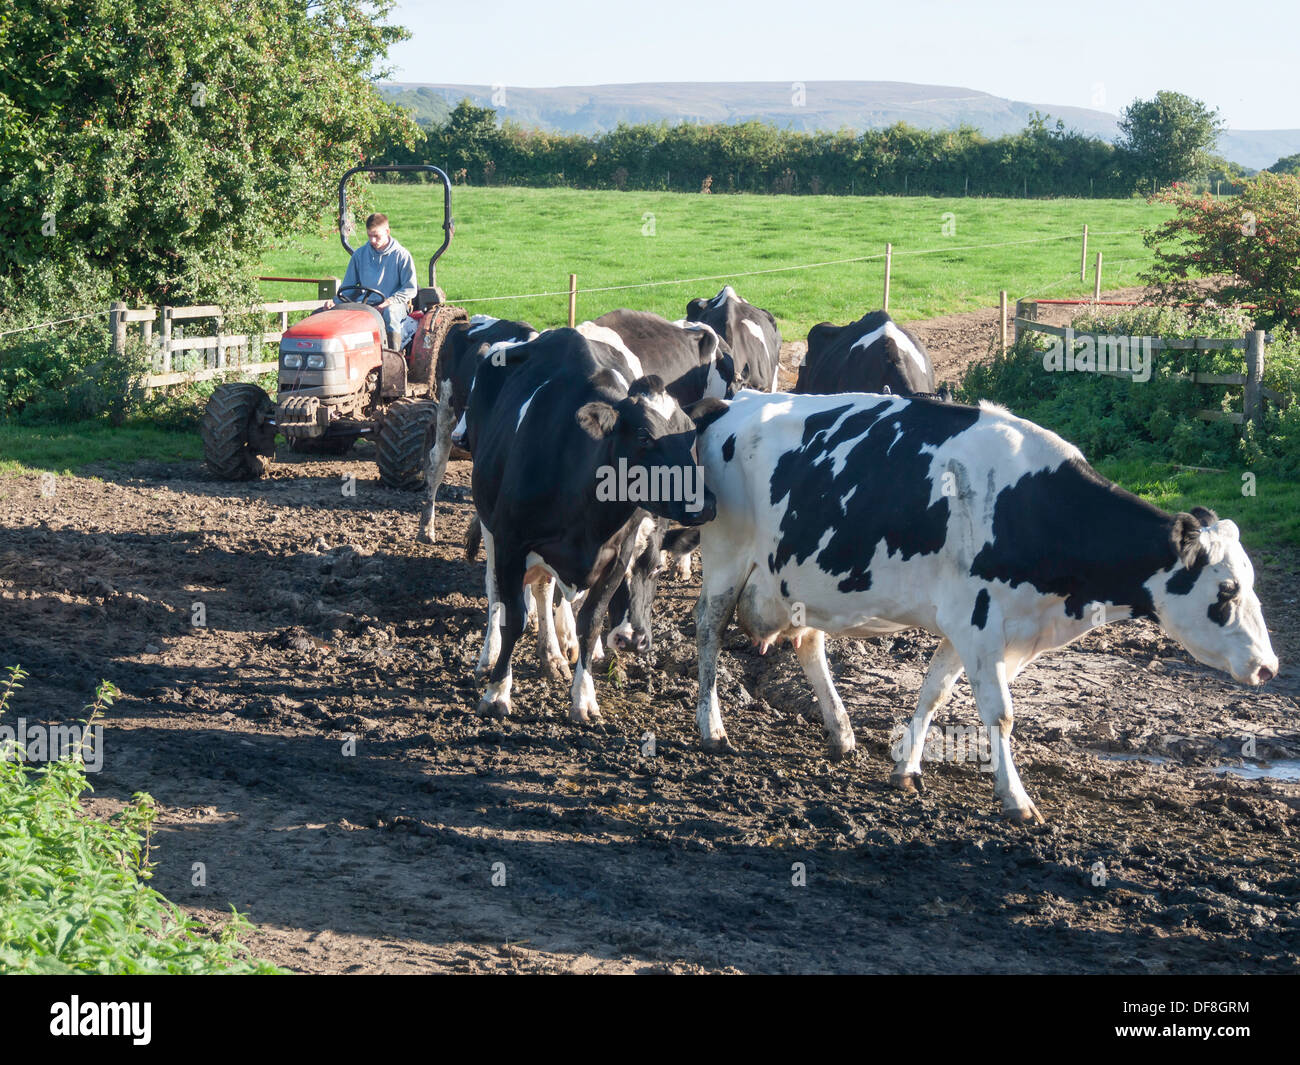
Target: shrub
(72, 891)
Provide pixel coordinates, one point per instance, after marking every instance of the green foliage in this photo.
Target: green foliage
(1168, 138)
(1251, 244)
(1152, 422)
(72, 891)
(1288, 164)
(1042, 160)
(151, 149)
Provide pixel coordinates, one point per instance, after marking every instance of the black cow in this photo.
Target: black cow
(872, 354)
(691, 359)
(750, 332)
(572, 465)
(465, 345)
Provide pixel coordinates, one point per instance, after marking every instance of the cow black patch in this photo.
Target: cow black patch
(785, 590)
(980, 615)
(1182, 582)
(881, 492)
(729, 448)
(1070, 532)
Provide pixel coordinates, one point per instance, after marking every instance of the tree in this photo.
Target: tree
(1168, 138)
(1288, 164)
(1249, 245)
(152, 149)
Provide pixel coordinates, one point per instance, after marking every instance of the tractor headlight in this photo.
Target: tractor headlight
(316, 362)
(292, 361)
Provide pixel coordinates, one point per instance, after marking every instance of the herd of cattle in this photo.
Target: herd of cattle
(859, 504)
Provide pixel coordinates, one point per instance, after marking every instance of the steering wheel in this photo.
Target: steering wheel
(362, 291)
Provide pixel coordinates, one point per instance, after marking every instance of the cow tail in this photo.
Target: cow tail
(473, 537)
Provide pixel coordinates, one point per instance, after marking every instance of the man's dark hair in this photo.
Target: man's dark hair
(376, 219)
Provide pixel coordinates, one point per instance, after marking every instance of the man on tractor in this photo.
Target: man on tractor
(385, 266)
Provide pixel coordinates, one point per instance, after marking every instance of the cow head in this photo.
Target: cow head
(1207, 600)
(630, 608)
(649, 458)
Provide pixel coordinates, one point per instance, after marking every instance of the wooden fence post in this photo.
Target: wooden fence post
(889, 262)
(1002, 305)
(221, 347)
(573, 300)
(1096, 286)
(1254, 399)
(166, 339)
(1083, 259)
(117, 323)
(1027, 309)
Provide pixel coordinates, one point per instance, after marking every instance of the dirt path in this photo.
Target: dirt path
(325, 621)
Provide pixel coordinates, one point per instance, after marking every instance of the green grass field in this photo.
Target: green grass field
(515, 241)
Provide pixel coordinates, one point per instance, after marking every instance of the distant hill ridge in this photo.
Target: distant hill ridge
(808, 106)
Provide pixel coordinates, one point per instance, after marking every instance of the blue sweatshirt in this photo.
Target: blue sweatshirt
(391, 271)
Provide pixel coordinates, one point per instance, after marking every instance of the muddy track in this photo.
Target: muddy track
(325, 620)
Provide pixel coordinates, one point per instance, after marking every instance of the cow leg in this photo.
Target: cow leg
(530, 607)
(945, 669)
(812, 656)
(492, 637)
(712, 612)
(591, 619)
(438, 455)
(566, 630)
(993, 697)
(554, 665)
(496, 699)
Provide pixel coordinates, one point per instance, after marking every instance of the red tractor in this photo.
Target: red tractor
(342, 377)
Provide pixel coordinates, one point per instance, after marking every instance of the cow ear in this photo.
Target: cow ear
(1204, 515)
(597, 419)
(649, 385)
(1186, 537)
(695, 309)
(820, 334)
(706, 412)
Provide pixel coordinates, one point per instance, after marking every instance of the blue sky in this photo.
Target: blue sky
(1088, 53)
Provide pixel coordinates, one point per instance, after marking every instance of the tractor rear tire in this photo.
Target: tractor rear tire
(238, 444)
(403, 443)
(321, 445)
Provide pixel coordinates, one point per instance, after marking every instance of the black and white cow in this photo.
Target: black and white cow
(465, 345)
(750, 332)
(864, 514)
(691, 359)
(873, 354)
(572, 465)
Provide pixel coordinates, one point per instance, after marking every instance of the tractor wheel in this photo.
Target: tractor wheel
(237, 441)
(321, 445)
(403, 443)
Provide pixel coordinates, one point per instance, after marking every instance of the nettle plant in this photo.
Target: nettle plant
(73, 896)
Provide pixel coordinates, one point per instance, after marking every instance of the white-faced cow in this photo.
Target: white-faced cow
(750, 332)
(864, 514)
(466, 344)
(572, 463)
(873, 354)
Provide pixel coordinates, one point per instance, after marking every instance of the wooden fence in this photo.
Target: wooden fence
(1253, 344)
(178, 358)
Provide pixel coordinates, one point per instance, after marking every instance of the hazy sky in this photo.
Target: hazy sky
(1238, 57)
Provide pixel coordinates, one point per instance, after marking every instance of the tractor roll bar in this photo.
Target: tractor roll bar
(448, 225)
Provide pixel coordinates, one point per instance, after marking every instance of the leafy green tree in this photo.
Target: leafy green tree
(1168, 138)
(151, 149)
(1288, 164)
(1249, 244)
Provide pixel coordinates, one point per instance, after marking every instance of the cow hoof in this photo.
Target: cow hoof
(839, 752)
(423, 537)
(1018, 816)
(556, 669)
(721, 745)
(493, 708)
(584, 717)
(907, 781)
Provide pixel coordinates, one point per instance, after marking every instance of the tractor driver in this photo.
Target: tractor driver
(387, 267)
